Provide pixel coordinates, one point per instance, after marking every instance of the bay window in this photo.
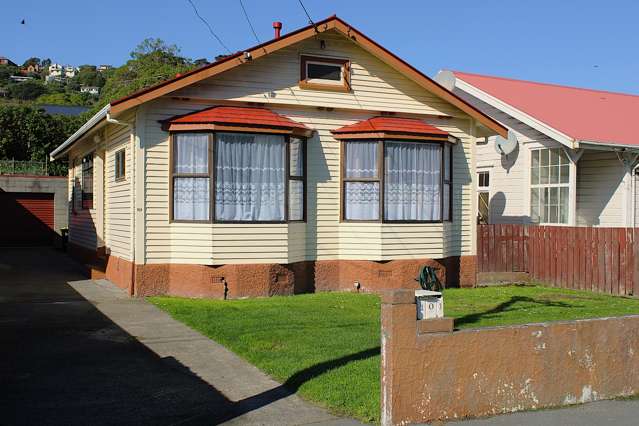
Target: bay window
(412, 183)
(550, 182)
(238, 177)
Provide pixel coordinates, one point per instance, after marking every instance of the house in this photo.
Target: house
(55, 70)
(70, 71)
(31, 69)
(92, 90)
(576, 157)
(20, 78)
(102, 68)
(6, 61)
(317, 160)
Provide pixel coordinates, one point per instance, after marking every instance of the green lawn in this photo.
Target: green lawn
(326, 346)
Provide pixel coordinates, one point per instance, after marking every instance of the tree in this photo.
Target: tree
(31, 61)
(29, 133)
(152, 61)
(27, 90)
(6, 71)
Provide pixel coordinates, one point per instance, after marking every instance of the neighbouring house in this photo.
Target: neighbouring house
(576, 156)
(6, 61)
(70, 71)
(102, 68)
(31, 69)
(55, 70)
(92, 90)
(315, 161)
(20, 78)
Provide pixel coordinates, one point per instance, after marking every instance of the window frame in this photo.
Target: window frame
(542, 186)
(483, 189)
(212, 175)
(381, 165)
(90, 155)
(173, 175)
(343, 86)
(120, 163)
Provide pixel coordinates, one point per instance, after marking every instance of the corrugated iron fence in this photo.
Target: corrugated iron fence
(596, 259)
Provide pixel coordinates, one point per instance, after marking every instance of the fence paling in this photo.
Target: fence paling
(597, 259)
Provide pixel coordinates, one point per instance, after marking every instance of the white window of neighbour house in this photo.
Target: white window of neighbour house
(550, 181)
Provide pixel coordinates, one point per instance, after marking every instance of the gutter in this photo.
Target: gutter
(86, 127)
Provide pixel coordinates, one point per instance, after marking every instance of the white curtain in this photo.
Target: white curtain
(191, 195)
(250, 171)
(412, 182)
(362, 198)
(191, 153)
(191, 198)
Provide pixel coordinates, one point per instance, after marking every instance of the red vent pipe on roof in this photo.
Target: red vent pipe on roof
(278, 28)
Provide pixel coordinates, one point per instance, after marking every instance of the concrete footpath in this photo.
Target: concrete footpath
(618, 413)
(78, 352)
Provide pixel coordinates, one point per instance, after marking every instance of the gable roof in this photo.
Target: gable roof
(237, 59)
(585, 116)
(331, 23)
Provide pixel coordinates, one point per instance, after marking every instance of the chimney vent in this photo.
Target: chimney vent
(278, 28)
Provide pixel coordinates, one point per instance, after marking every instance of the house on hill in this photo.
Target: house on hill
(6, 61)
(576, 159)
(315, 161)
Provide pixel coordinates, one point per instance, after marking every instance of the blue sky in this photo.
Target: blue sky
(582, 43)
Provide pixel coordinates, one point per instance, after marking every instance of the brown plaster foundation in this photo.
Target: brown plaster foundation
(500, 369)
(263, 280)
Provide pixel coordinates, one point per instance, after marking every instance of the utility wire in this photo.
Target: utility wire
(208, 26)
(249, 22)
(310, 20)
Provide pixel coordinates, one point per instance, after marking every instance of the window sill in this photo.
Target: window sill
(305, 85)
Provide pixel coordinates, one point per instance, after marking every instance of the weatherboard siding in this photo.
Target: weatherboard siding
(118, 194)
(82, 222)
(600, 198)
(323, 236)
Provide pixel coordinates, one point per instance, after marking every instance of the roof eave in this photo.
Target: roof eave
(607, 146)
(61, 150)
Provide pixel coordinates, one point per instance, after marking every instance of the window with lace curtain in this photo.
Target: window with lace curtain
(238, 177)
(396, 181)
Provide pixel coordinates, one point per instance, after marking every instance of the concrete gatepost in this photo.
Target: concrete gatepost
(399, 331)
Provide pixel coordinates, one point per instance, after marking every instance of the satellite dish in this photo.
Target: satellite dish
(505, 146)
(447, 79)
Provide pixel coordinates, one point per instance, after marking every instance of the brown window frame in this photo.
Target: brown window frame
(345, 65)
(86, 200)
(120, 164)
(212, 175)
(380, 178)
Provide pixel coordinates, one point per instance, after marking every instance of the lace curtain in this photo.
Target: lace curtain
(250, 171)
(412, 181)
(362, 198)
(191, 195)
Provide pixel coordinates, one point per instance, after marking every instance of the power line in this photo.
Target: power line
(310, 20)
(249, 22)
(208, 26)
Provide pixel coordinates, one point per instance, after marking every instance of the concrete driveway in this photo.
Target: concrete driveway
(74, 351)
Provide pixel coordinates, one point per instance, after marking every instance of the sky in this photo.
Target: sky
(584, 43)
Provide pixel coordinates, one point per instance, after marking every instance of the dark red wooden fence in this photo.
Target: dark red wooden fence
(596, 259)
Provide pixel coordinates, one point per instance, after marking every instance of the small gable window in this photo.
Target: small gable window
(320, 73)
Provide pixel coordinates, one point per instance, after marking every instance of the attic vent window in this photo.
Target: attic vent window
(320, 73)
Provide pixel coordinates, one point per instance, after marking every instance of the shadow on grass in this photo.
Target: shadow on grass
(507, 306)
(293, 383)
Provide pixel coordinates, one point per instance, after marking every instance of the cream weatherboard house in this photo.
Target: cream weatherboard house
(315, 161)
(576, 158)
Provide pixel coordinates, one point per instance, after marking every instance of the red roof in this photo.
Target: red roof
(237, 115)
(391, 124)
(582, 114)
